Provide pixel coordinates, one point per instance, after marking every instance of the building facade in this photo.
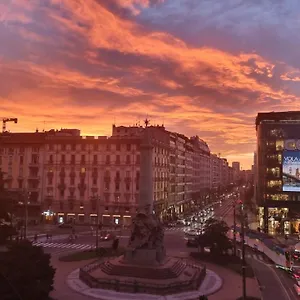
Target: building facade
(62, 176)
(277, 165)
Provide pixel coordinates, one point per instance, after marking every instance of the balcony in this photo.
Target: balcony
(33, 177)
(61, 186)
(34, 164)
(127, 179)
(49, 200)
(107, 178)
(62, 173)
(94, 190)
(82, 186)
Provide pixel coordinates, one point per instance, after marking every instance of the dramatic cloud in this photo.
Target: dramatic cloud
(196, 67)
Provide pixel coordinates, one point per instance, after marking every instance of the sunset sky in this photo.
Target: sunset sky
(201, 67)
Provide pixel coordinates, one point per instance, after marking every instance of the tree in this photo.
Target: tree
(215, 236)
(25, 273)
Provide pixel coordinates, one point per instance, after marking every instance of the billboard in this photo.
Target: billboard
(291, 171)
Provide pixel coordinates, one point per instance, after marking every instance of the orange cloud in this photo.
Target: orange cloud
(195, 91)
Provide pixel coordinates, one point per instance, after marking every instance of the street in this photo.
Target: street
(275, 283)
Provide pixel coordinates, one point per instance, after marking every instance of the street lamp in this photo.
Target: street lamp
(243, 252)
(234, 228)
(97, 222)
(26, 196)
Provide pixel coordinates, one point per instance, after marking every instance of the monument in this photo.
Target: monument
(145, 267)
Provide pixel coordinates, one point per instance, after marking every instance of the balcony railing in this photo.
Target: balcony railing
(61, 186)
(82, 186)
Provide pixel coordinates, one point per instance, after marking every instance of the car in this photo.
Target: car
(104, 237)
(65, 225)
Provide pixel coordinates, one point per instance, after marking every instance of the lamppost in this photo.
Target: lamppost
(243, 252)
(26, 196)
(97, 222)
(234, 228)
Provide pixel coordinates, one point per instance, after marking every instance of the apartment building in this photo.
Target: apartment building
(62, 176)
(71, 177)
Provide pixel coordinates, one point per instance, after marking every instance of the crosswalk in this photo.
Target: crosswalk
(59, 248)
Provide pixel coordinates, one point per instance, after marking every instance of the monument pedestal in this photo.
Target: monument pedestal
(144, 257)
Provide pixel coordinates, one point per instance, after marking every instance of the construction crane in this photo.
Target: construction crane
(5, 120)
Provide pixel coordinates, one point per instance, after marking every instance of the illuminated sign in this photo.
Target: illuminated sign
(292, 144)
(291, 171)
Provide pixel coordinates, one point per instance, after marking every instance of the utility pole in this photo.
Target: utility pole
(243, 252)
(97, 223)
(234, 228)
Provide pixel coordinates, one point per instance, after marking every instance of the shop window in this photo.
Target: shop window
(274, 183)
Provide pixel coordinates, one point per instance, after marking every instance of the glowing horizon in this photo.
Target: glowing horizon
(199, 69)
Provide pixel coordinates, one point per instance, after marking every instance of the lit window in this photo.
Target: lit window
(82, 170)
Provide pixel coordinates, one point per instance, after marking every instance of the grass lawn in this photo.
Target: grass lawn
(90, 254)
(227, 261)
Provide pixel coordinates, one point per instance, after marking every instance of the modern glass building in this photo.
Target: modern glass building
(278, 171)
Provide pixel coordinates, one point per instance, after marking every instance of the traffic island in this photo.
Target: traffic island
(210, 284)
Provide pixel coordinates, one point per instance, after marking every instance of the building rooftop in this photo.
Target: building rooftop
(277, 116)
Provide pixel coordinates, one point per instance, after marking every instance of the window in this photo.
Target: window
(128, 147)
(62, 193)
(95, 147)
(51, 159)
(94, 180)
(82, 193)
(108, 147)
(63, 159)
(72, 180)
(127, 174)
(72, 159)
(107, 159)
(83, 147)
(107, 185)
(83, 159)
(117, 186)
(21, 160)
(118, 160)
(34, 158)
(127, 186)
(128, 159)
(95, 159)
(73, 147)
(279, 145)
(20, 183)
(82, 170)
(63, 147)
(118, 175)
(118, 147)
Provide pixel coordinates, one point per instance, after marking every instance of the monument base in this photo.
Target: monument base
(173, 275)
(144, 257)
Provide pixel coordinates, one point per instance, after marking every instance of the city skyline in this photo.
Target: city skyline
(88, 64)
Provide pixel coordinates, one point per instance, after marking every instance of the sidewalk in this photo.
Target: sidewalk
(232, 284)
